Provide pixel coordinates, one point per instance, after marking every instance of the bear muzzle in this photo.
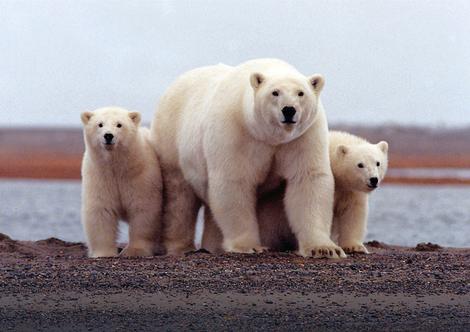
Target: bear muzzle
(289, 112)
(373, 183)
(109, 141)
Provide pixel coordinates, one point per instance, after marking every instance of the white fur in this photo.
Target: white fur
(220, 138)
(352, 186)
(119, 182)
(351, 198)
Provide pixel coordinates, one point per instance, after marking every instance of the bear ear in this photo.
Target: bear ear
(135, 117)
(256, 79)
(383, 146)
(86, 116)
(317, 81)
(342, 150)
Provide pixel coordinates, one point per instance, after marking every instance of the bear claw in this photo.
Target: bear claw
(355, 249)
(323, 252)
(248, 250)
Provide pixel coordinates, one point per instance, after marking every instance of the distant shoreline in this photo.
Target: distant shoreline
(50, 166)
(56, 153)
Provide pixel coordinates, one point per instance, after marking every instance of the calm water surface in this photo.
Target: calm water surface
(402, 215)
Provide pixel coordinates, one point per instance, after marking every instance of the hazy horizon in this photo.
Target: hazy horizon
(398, 62)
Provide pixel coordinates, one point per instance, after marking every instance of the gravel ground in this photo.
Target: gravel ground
(51, 285)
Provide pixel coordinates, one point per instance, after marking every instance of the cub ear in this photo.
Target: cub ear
(135, 117)
(256, 79)
(317, 81)
(86, 116)
(342, 150)
(383, 146)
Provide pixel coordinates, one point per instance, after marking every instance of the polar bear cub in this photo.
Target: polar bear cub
(225, 133)
(121, 180)
(358, 167)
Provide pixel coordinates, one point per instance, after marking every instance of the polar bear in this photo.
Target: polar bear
(224, 133)
(358, 168)
(121, 180)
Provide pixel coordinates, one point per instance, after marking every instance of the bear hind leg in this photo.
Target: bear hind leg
(143, 232)
(179, 213)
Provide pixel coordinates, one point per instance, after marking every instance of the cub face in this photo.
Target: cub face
(110, 128)
(286, 106)
(361, 167)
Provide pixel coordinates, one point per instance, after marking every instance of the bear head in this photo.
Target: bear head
(285, 104)
(360, 167)
(110, 128)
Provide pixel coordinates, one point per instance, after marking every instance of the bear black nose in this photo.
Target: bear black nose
(374, 181)
(108, 137)
(288, 113)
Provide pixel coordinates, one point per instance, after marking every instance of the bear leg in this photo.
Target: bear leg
(101, 227)
(179, 213)
(309, 207)
(351, 225)
(211, 236)
(143, 231)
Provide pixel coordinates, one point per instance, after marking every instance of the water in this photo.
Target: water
(434, 173)
(402, 215)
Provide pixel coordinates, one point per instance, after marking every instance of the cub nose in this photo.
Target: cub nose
(288, 112)
(108, 137)
(374, 181)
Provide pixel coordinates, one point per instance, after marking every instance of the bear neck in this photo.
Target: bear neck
(248, 117)
(344, 189)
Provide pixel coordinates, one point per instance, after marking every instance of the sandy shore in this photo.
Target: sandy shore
(51, 285)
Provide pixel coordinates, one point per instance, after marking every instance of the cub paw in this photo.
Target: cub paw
(322, 251)
(245, 249)
(357, 248)
(244, 246)
(136, 252)
(178, 250)
(248, 250)
(102, 253)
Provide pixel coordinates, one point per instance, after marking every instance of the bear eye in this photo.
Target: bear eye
(275, 93)
(119, 125)
(378, 163)
(100, 124)
(360, 165)
(300, 94)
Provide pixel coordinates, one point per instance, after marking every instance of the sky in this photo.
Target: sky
(405, 62)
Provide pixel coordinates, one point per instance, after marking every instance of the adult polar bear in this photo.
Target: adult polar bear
(224, 134)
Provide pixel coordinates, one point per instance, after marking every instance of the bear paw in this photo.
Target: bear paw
(111, 252)
(244, 245)
(173, 249)
(322, 251)
(245, 249)
(136, 252)
(357, 248)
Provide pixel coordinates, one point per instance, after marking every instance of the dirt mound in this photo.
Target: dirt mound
(427, 247)
(50, 247)
(376, 244)
(4, 237)
(52, 241)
